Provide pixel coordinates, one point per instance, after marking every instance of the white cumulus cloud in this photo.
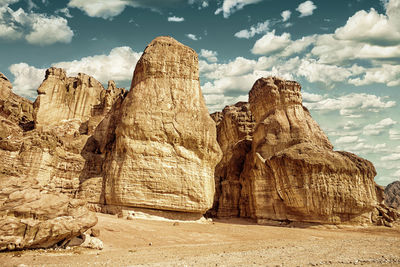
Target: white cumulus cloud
(350, 105)
(118, 65)
(379, 127)
(175, 19)
(231, 6)
(108, 9)
(7, 2)
(271, 43)
(27, 79)
(210, 56)
(100, 8)
(286, 15)
(347, 139)
(306, 8)
(369, 27)
(192, 36)
(259, 28)
(38, 29)
(391, 157)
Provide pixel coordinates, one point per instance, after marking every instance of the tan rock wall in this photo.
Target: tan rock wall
(62, 98)
(165, 149)
(290, 171)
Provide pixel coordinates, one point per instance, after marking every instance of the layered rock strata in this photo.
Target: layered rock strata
(30, 217)
(235, 126)
(13, 108)
(165, 148)
(392, 195)
(40, 176)
(62, 98)
(61, 152)
(291, 172)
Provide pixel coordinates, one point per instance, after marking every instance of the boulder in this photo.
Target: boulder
(33, 218)
(165, 148)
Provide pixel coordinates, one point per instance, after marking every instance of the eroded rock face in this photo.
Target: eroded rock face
(46, 170)
(165, 149)
(290, 171)
(235, 126)
(13, 108)
(62, 98)
(32, 218)
(392, 195)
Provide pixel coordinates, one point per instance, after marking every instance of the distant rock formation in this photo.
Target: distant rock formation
(290, 172)
(392, 195)
(63, 98)
(165, 147)
(14, 108)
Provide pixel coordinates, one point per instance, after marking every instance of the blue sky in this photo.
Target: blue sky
(345, 53)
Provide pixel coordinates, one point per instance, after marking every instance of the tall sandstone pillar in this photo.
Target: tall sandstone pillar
(165, 149)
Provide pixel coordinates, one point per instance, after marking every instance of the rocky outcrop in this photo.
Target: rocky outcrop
(165, 148)
(235, 126)
(13, 108)
(62, 98)
(392, 195)
(33, 218)
(50, 163)
(290, 171)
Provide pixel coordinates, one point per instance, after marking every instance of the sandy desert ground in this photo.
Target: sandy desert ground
(142, 242)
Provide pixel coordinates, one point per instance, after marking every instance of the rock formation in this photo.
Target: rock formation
(59, 152)
(235, 127)
(40, 174)
(14, 108)
(291, 172)
(392, 195)
(165, 148)
(33, 218)
(155, 148)
(62, 98)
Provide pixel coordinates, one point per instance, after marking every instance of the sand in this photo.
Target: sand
(143, 242)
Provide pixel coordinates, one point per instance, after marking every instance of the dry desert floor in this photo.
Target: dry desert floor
(143, 242)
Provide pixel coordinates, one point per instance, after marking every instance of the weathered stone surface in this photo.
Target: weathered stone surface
(14, 108)
(290, 171)
(32, 218)
(62, 98)
(235, 126)
(392, 195)
(165, 148)
(58, 158)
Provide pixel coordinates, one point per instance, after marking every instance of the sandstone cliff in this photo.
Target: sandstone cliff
(40, 174)
(235, 126)
(392, 195)
(290, 171)
(157, 148)
(62, 98)
(59, 152)
(165, 148)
